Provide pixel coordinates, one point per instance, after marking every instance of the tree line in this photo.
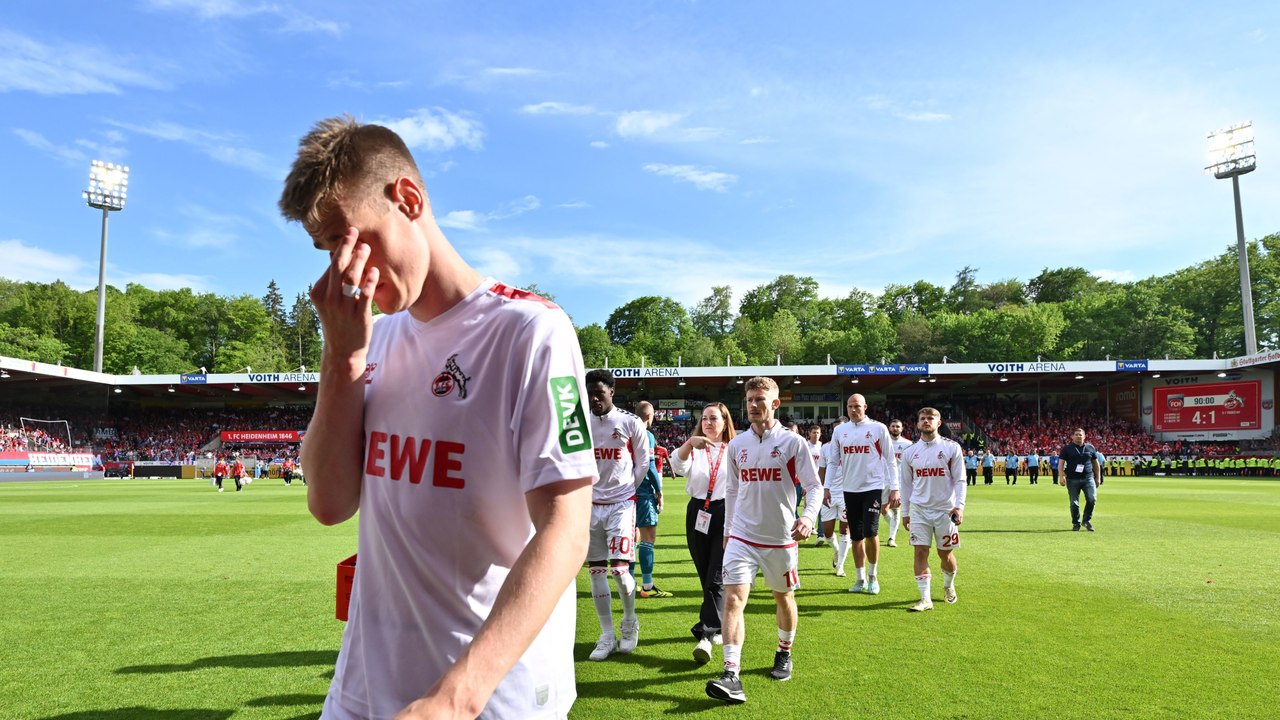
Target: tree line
(1061, 314)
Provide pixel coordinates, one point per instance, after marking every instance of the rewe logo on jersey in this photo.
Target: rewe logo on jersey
(571, 419)
(931, 472)
(857, 450)
(451, 378)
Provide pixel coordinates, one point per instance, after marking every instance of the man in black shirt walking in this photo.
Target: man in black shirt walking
(1077, 468)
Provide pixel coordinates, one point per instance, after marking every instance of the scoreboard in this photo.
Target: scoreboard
(1214, 406)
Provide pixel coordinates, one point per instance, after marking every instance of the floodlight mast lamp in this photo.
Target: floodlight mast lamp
(108, 186)
(1230, 156)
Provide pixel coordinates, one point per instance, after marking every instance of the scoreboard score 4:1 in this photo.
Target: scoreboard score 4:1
(1215, 406)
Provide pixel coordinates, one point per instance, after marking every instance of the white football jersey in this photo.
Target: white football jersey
(815, 449)
(933, 476)
(898, 446)
(463, 416)
(760, 499)
(622, 455)
(830, 460)
(866, 456)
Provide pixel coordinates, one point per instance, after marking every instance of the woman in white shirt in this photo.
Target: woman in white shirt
(701, 460)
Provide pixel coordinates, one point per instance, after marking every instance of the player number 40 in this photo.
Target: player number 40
(620, 545)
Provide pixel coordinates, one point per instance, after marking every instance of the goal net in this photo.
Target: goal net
(46, 435)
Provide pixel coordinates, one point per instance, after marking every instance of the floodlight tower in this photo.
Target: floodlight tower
(1230, 156)
(108, 184)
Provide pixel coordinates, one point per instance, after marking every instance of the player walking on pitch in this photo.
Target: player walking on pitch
(762, 530)
(867, 471)
(622, 459)
(833, 511)
(894, 513)
(455, 426)
(934, 480)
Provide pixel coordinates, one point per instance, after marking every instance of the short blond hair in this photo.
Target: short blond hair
(760, 382)
(342, 158)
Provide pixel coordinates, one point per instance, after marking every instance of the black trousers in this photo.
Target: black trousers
(1034, 473)
(707, 551)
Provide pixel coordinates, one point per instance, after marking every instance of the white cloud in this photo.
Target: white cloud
(757, 141)
(556, 108)
(512, 71)
(462, 220)
(167, 281)
(925, 116)
(645, 123)
(222, 148)
(575, 205)
(1118, 276)
(206, 229)
(574, 261)
(26, 64)
(439, 130)
(473, 220)
(29, 263)
(294, 20)
(41, 143)
(599, 144)
(496, 263)
(699, 178)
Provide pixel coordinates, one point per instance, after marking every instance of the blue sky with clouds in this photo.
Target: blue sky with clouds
(610, 150)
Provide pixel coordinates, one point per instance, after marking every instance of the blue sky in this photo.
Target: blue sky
(608, 150)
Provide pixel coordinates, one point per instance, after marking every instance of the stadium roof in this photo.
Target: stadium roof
(26, 377)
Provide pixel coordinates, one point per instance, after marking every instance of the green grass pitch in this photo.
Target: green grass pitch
(163, 600)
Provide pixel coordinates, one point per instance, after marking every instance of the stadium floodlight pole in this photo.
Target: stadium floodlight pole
(108, 184)
(1230, 156)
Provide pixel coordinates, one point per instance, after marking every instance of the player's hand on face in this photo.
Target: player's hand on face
(347, 321)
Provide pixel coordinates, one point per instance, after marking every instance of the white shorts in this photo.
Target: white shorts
(613, 530)
(779, 565)
(930, 527)
(834, 511)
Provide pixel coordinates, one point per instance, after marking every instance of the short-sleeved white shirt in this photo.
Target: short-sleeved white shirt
(622, 455)
(464, 415)
(866, 456)
(760, 498)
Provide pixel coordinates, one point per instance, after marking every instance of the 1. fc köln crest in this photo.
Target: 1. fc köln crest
(452, 378)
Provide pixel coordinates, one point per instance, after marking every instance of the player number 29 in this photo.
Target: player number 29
(950, 540)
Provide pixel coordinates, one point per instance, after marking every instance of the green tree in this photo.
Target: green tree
(1061, 284)
(652, 327)
(786, 292)
(25, 344)
(919, 298)
(302, 331)
(713, 316)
